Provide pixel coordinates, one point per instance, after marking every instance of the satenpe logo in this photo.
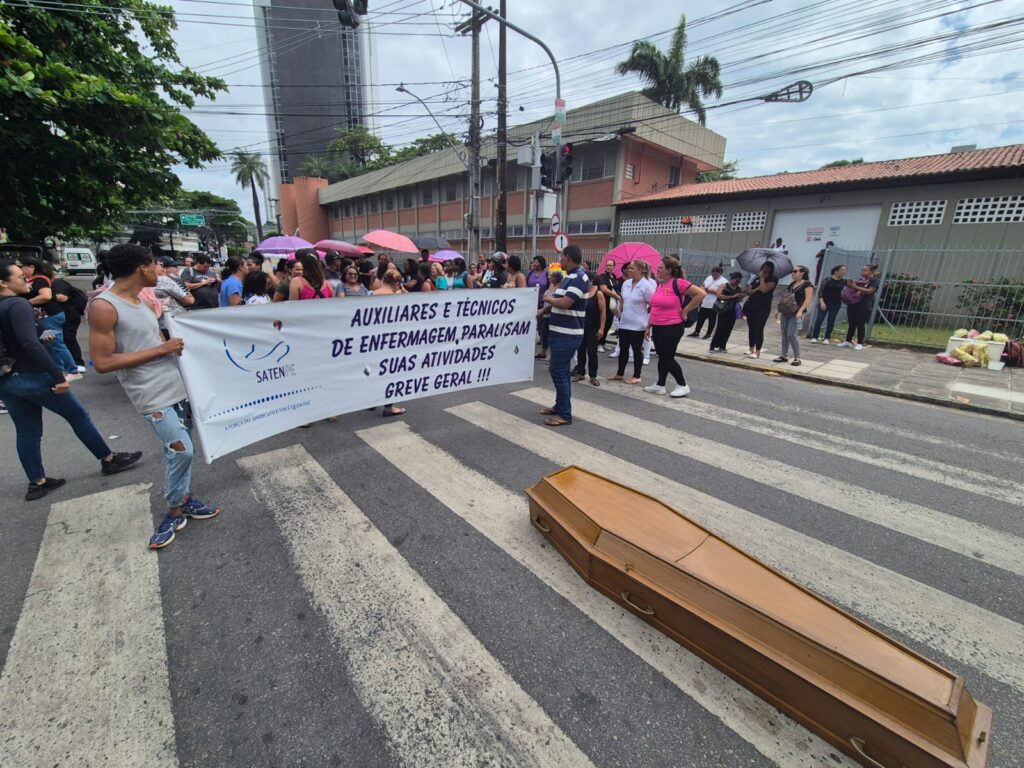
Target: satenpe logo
(256, 359)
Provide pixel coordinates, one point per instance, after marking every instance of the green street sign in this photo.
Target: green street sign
(192, 219)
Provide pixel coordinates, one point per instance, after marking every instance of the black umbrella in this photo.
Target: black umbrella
(752, 259)
(431, 242)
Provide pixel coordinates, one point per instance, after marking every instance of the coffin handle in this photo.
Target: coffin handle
(647, 610)
(539, 525)
(858, 745)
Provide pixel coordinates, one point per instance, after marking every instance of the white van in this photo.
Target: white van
(78, 260)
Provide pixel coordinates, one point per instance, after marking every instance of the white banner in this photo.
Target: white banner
(256, 371)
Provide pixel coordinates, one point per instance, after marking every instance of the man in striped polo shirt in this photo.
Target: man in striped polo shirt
(568, 313)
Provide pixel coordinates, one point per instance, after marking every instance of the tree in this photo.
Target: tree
(220, 211)
(425, 146)
(730, 170)
(672, 83)
(317, 166)
(251, 173)
(363, 147)
(841, 163)
(91, 122)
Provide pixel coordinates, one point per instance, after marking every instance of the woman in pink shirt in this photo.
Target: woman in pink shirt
(673, 299)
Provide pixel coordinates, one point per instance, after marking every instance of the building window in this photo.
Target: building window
(630, 171)
(487, 185)
(989, 210)
(450, 191)
(346, 210)
(673, 176)
(373, 204)
(389, 201)
(360, 206)
(749, 221)
(408, 198)
(512, 178)
(603, 226)
(674, 225)
(516, 230)
(917, 213)
(427, 194)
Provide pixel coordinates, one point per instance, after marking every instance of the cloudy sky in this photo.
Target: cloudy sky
(892, 79)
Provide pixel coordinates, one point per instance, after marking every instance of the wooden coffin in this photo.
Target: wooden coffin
(876, 700)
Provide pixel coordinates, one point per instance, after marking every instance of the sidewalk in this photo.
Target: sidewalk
(896, 372)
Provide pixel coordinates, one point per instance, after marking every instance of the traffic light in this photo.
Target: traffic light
(547, 170)
(565, 163)
(347, 16)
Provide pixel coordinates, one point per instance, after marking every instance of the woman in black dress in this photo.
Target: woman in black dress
(759, 306)
(731, 294)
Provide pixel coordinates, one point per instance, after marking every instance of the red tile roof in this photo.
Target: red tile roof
(950, 163)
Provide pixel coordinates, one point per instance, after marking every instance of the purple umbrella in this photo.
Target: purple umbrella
(446, 255)
(282, 244)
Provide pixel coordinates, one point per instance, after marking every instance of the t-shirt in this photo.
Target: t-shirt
(49, 308)
(666, 304)
(635, 298)
(866, 299)
(801, 292)
(169, 292)
(230, 287)
(832, 291)
(760, 300)
(712, 284)
(570, 321)
(495, 279)
(611, 282)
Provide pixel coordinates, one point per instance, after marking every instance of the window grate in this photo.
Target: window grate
(917, 213)
(749, 221)
(989, 210)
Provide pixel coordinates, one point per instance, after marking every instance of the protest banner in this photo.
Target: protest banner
(256, 371)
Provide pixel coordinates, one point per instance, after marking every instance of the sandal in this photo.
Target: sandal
(796, 361)
(616, 377)
(540, 356)
(634, 381)
(594, 381)
(781, 359)
(548, 412)
(557, 421)
(577, 378)
(394, 412)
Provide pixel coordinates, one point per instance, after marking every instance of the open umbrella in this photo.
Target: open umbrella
(345, 249)
(282, 244)
(431, 242)
(446, 255)
(364, 250)
(752, 259)
(626, 252)
(391, 240)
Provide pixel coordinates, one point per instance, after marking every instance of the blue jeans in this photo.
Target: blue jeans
(170, 427)
(563, 347)
(26, 394)
(57, 348)
(831, 310)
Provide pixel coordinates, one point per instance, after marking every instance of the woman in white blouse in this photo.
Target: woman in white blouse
(636, 296)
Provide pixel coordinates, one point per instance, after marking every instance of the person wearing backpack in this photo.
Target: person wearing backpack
(73, 301)
(671, 303)
(792, 308)
(49, 312)
(30, 381)
(858, 296)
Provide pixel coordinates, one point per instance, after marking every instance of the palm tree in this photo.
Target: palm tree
(317, 166)
(672, 84)
(251, 172)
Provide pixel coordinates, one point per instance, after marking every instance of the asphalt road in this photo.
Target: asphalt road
(374, 595)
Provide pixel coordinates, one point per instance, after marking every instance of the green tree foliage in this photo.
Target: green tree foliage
(673, 83)
(365, 149)
(841, 163)
(365, 153)
(90, 122)
(729, 170)
(251, 173)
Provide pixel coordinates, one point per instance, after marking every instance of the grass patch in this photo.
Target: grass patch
(926, 338)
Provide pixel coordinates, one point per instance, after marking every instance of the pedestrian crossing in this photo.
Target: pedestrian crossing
(87, 679)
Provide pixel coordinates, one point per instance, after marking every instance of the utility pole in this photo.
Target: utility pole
(501, 214)
(473, 25)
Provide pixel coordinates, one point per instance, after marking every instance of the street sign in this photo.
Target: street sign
(558, 122)
(556, 224)
(561, 242)
(192, 219)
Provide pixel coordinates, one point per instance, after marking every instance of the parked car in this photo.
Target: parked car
(77, 260)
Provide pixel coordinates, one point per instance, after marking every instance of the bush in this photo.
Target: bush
(994, 305)
(905, 294)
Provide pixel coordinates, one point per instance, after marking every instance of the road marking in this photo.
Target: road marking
(503, 517)
(977, 542)
(85, 681)
(960, 629)
(980, 483)
(442, 699)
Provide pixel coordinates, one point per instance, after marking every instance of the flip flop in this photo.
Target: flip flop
(557, 421)
(576, 379)
(595, 382)
(389, 413)
(549, 412)
(616, 377)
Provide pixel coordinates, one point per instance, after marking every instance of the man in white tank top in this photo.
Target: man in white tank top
(124, 337)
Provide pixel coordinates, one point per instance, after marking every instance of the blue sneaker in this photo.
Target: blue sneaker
(165, 533)
(195, 509)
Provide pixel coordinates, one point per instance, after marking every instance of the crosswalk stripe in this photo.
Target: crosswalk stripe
(440, 697)
(978, 542)
(960, 629)
(502, 516)
(85, 681)
(866, 453)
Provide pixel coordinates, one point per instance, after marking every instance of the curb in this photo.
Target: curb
(857, 386)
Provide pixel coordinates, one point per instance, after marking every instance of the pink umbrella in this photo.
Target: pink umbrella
(282, 244)
(445, 255)
(626, 252)
(364, 250)
(391, 240)
(345, 249)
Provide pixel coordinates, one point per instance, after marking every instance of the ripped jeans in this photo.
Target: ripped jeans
(170, 426)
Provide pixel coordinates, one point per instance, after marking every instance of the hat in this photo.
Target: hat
(167, 261)
(499, 257)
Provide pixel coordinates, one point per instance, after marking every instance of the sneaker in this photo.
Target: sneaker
(602, 348)
(38, 490)
(165, 533)
(857, 348)
(614, 352)
(844, 345)
(826, 341)
(655, 389)
(119, 462)
(195, 509)
(81, 369)
(69, 377)
(815, 341)
(647, 361)
(680, 391)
